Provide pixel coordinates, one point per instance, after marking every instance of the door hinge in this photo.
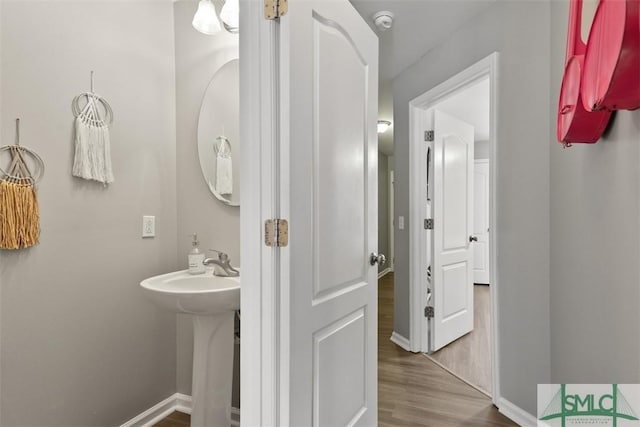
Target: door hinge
(428, 224)
(428, 312)
(429, 135)
(275, 8)
(276, 232)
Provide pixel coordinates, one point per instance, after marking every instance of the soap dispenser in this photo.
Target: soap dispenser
(196, 257)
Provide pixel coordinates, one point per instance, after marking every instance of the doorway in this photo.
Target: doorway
(456, 328)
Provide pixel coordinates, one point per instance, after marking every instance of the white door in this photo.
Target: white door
(481, 221)
(328, 93)
(453, 219)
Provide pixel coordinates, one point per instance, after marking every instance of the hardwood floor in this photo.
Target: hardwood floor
(177, 419)
(412, 389)
(469, 357)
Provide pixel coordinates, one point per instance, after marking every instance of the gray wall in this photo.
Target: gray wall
(595, 196)
(198, 57)
(522, 174)
(383, 208)
(80, 343)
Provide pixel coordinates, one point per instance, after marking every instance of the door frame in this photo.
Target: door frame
(391, 201)
(487, 67)
(260, 299)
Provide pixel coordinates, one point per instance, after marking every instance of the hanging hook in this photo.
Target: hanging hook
(91, 81)
(17, 131)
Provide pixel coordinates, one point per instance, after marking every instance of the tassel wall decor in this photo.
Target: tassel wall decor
(19, 211)
(92, 159)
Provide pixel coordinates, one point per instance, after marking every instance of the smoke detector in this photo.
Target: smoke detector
(383, 20)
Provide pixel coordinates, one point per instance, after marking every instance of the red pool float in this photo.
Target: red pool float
(575, 124)
(611, 74)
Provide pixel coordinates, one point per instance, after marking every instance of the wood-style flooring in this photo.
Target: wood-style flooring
(469, 357)
(412, 389)
(177, 419)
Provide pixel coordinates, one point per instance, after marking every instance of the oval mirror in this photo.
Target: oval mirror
(218, 134)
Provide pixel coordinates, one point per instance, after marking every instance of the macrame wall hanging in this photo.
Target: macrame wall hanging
(19, 211)
(92, 160)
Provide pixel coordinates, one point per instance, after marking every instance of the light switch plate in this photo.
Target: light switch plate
(148, 226)
(400, 223)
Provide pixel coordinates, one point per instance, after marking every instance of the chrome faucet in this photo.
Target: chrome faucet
(222, 265)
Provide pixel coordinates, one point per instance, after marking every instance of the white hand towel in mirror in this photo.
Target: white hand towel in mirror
(224, 174)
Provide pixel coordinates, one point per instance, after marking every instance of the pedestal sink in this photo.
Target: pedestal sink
(211, 301)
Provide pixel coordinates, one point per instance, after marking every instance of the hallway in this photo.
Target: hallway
(412, 390)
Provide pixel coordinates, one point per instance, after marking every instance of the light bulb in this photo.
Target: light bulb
(383, 125)
(230, 15)
(205, 19)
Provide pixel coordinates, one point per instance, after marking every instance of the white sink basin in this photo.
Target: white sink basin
(199, 294)
(212, 302)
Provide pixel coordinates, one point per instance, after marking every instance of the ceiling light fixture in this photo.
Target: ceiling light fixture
(205, 20)
(230, 16)
(383, 125)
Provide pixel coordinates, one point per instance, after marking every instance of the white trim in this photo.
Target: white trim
(400, 341)
(494, 77)
(391, 200)
(183, 403)
(260, 380)
(416, 235)
(235, 417)
(384, 272)
(516, 414)
(154, 414)
(177, 402)
(417, 151)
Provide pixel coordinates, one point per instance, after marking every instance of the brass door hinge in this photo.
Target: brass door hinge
(276, 232)
(428, 312)
(275, 8)
(429, 135)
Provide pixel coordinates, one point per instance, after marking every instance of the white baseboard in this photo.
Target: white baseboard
(516, 414)
(177, 402)
(154, 414)
(235, 417)
(384, 272)
(183, 403)
(401, 341)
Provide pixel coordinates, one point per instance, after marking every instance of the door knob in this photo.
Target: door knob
(374, 259)
(473, 239)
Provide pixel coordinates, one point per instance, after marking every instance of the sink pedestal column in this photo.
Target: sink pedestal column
(212, 370)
